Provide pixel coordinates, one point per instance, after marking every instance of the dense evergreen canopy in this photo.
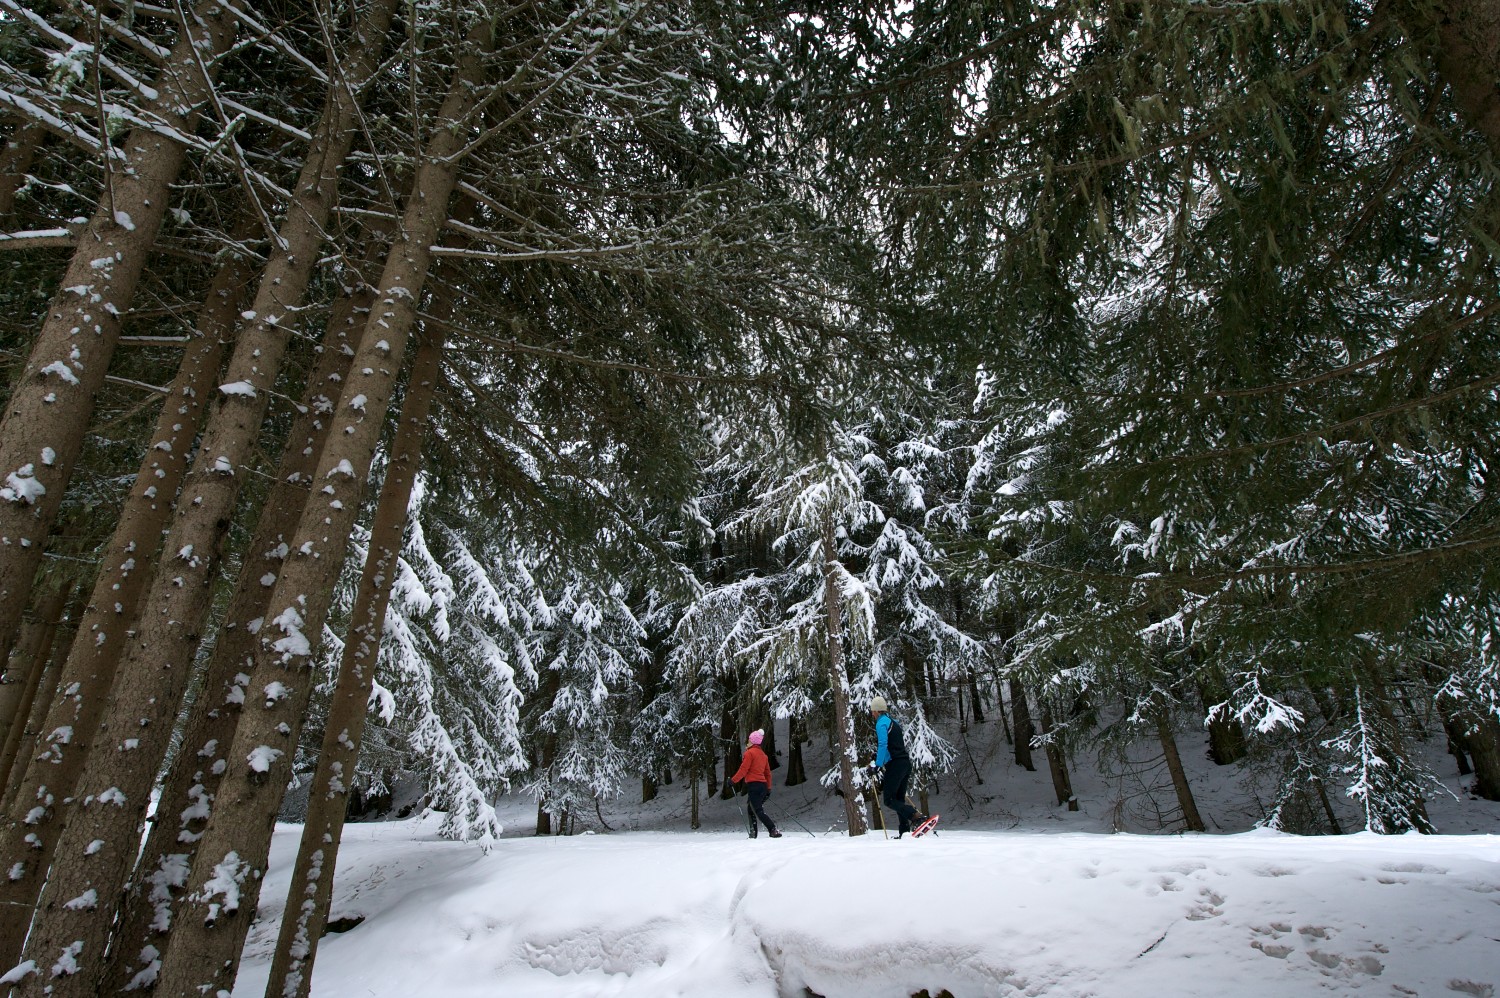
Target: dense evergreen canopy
(582, 386)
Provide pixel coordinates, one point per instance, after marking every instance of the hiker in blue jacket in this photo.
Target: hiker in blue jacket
(893, 764)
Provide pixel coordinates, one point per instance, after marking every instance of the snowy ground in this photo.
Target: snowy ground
(978, 913)
(1015, 896)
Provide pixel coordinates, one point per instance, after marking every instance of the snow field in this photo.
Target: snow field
(979, 913)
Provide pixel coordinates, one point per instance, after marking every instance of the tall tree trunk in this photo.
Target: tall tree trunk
(1179, 777)
(1468, 57)
(1483, 744)
(796, 768)
(1020, 713)
(206, 943)
(113, 789)
(311, 890)
(1226, 734)
(695, 821)
(23, 673)
(52, 401)
(192, 782)
(974, 698)
(1333, 819)
(126, 569)
(729, 735)
(61, 641)
(838, 682)
(1057, 762)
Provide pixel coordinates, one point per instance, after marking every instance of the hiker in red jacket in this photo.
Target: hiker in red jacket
(755, 770)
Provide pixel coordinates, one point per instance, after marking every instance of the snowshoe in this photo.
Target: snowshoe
(926, 826)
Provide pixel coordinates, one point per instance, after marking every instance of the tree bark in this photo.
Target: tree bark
(1483, 743)
(1226, 737)
(1020, 713)
(60, 642)
(52, 401)
(126, 569)
(23, 674)
(113, 790)
(1179, 777)
(1469, 59)
(212, 922)
(796, 769)
(1057, 762)
(311, 890)
(838, 683)
(192, 782)
(729, 736)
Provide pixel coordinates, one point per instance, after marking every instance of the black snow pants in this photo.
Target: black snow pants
(758, 792)
(893, 784)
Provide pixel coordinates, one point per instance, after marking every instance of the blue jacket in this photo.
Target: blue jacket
(882, 735)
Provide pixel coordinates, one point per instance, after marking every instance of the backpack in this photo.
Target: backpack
(895, 740)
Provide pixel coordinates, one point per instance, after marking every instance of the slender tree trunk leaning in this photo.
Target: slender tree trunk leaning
(1333, 819)
(1057, 762)
(311, 890)
(193, 780)
(126, 569)
(225, 883)
(24, 671)
(52, 400)
(112, 792)
(30, 734)
(1185, 799)
(1020, 712)
(838, 683)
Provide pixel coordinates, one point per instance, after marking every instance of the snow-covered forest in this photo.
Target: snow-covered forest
(473, 411)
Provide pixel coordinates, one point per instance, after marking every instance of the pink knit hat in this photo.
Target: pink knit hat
(756, 736)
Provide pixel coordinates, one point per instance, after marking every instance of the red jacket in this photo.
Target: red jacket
(754, 767)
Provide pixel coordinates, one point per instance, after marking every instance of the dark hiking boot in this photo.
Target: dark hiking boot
(775, 833)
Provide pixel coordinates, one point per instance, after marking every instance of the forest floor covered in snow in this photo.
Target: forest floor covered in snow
(1014, 897)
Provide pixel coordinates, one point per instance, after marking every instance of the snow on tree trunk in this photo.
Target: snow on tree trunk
(113, 791)
(29, 733)
(52, 400)
(1180, 784)
(838, 684)
(193, 780)
(1483, 743)
(23, 673)
(311, 890)
(226, 878)
(1057, 762)
(126, 570)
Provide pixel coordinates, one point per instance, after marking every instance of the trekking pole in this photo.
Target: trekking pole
(880, 813)
(795, 822)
